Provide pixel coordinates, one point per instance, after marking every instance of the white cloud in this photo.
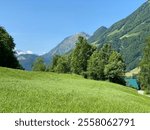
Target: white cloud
(21, 58)
(20, 52)
(29, 52)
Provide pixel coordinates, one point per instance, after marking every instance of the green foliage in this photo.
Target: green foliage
(39, 65)
(80, 56)
(101, 64)
(54, 63)
(96, 66)
(115, 68)
(106, 64)
(106, 52)
(61, 64)
(145, 68)
(7, 53)
(36, 92)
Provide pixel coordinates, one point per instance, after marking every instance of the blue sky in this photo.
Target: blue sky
(39, 25)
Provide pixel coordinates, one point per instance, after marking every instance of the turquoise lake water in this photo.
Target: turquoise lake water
(132, 83)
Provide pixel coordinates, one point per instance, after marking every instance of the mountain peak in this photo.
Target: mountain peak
(83, 34)
(98, 33)
(65, 46)
(127, 35)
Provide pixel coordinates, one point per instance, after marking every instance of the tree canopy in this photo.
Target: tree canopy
(61, 64)
(96, 66)
(80, 56)
(39, 65)
(115, 69)
(90, 62)
(106, 64)
(7, 53)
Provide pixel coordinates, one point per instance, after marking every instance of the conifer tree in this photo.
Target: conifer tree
(144, 75)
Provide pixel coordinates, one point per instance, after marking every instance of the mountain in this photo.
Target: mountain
(97, 34)
(65, 46)
(127, 36)
(26, 60)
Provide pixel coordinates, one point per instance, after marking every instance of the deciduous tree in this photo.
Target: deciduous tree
(7, 53)
(80, 56)
(144, 75)
(39, 65)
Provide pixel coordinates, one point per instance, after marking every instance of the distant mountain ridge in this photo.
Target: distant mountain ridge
(65, 46)
(128, 35)
(26, 59)
(97, 34)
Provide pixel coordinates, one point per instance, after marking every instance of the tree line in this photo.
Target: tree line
(97, 63)
(89, 61)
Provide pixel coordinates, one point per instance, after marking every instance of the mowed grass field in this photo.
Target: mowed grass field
(45, 92)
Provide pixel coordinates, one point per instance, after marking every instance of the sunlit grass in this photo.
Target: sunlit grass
(22, 91)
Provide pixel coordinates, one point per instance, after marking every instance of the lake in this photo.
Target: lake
(131, 82)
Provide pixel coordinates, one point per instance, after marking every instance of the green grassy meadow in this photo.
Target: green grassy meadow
(45, 92)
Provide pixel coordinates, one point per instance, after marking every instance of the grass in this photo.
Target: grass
(22, 91)
(130, 35)
(114, 32)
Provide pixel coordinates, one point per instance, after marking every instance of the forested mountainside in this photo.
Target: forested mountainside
(128, 35)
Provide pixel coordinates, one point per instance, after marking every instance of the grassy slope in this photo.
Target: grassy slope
(48, 92)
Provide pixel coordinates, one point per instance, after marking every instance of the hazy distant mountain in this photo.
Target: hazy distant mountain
(65, 46)
(128, 35)
(26, 59)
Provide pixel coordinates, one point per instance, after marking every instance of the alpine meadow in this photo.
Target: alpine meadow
(50, 92)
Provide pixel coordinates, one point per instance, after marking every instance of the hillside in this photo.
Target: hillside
(22, 91)
(64, 47)
(97, 34)
(128, 35)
